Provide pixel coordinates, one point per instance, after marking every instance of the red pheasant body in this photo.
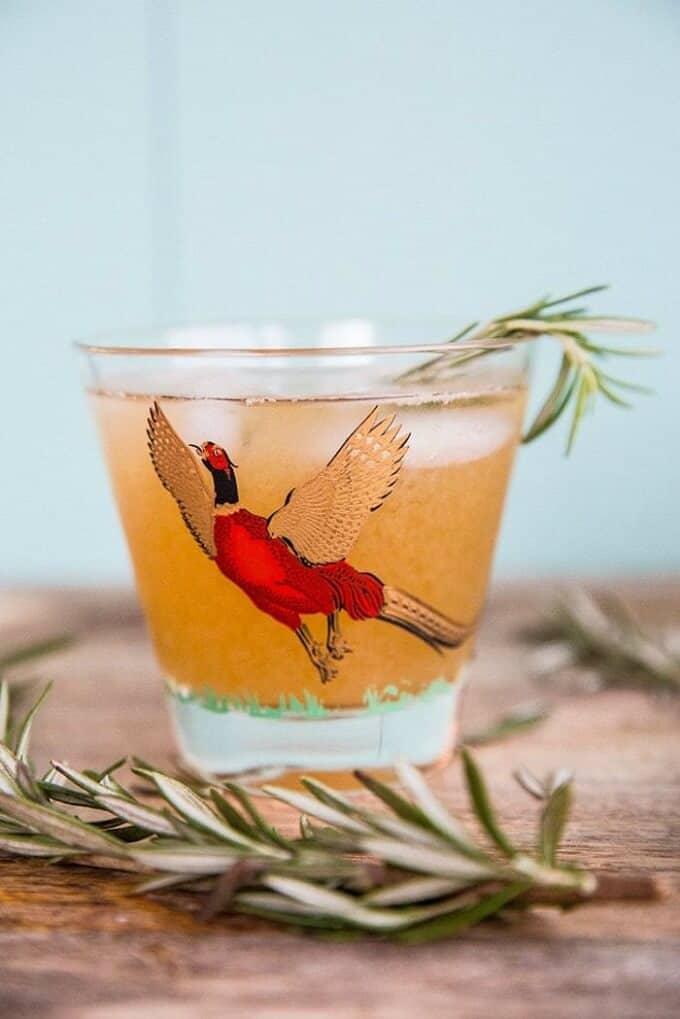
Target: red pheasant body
(282, 585)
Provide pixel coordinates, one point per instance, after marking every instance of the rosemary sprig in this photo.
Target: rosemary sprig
(518, 719)
(18, 656)
(581, 377)
(29, 652)
(403, 866)
(602, 635)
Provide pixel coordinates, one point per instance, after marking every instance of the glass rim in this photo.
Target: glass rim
(365, 350)
(114, 345)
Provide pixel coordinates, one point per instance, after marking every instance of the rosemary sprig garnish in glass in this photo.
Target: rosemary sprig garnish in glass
(410, 870)
(581, 376)
(601, 634)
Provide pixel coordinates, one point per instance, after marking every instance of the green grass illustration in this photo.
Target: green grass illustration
(376, 701)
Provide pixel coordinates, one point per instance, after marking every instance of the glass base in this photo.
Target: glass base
(237, 743)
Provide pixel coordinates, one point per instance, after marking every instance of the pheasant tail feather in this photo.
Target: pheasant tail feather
(420, 619)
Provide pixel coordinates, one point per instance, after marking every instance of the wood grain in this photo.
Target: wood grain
(74, 942)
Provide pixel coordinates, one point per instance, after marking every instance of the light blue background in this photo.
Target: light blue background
(204, 159)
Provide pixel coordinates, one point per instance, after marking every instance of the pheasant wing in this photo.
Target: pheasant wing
(322, 518)
(179, 473)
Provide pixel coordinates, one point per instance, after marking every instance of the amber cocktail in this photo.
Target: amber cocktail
(312, 531)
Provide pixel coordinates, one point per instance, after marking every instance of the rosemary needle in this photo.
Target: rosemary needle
(581, 376)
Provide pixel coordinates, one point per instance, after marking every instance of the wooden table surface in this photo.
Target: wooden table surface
(74, 943)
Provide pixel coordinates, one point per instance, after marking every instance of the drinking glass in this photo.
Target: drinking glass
(311, 510)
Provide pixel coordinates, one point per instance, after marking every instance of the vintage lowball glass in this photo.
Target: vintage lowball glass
(325, 629)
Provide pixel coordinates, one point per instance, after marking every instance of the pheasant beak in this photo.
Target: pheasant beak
(208, 452)
(200, 450)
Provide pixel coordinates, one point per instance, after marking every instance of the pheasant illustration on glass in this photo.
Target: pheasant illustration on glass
(294, 563)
